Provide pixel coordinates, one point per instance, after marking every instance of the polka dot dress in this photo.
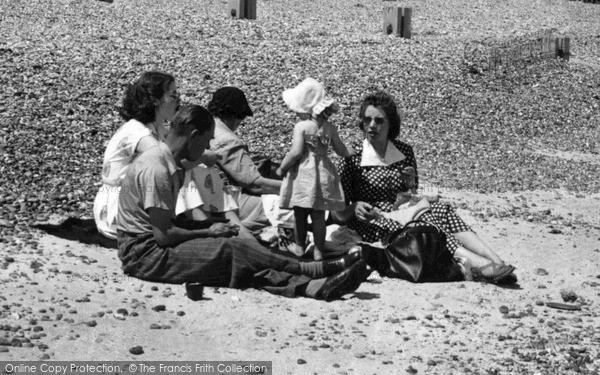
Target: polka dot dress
(379, 185)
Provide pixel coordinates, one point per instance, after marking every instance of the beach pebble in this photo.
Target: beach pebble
(261, 333)
(136, 350)
(541, 272)
(568, 295)
(411, 370)
(91, 323)
(159, 308)
(360, 355)
(155, 326)
(300, 361)
(333, 316)
(6, 224)
(503, 309)
(122, 311)
(180, 313)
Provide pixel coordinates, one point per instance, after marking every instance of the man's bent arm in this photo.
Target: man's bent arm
(166, 234)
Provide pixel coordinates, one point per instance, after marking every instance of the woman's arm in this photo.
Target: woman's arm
(295, 153)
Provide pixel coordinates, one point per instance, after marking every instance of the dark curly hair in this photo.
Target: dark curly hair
(140, 97)
(386, 103)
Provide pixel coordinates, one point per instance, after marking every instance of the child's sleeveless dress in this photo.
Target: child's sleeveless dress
(314, 181)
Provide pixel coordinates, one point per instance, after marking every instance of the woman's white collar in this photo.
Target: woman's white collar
(370, 157)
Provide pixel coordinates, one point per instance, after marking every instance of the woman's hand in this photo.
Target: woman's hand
(364, 211)
(223, 230)
(279, 172)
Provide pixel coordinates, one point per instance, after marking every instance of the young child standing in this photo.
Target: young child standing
(312, 184)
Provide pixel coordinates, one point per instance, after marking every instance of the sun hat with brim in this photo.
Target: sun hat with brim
(231, 101)
(307, 97)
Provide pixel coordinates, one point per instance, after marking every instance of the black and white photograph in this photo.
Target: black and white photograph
(345, 187)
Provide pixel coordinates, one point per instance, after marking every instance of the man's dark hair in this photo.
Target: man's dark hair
(189, 118)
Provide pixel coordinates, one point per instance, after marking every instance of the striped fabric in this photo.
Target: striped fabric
(222, 262)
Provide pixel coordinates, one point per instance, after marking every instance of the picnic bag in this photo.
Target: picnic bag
(416, 252)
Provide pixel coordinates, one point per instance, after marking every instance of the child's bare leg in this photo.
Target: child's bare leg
(301, 216)
(319, 233)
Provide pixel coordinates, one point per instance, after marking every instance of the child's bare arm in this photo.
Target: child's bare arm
(295, 153)
(338, 146)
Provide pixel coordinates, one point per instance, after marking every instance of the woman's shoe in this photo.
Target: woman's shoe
(499, 272)
(508, 280)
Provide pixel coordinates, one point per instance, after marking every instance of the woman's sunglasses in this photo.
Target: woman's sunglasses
(378, 120)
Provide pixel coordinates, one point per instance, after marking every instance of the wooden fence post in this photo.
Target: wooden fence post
(406, 23)
(548, 46)
(563, 48)
(250, 9)
(397, 21)
(242, 9)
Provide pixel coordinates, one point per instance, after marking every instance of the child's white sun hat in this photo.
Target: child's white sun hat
(307, 97)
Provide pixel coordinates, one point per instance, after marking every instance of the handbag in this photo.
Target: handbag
(416, 252)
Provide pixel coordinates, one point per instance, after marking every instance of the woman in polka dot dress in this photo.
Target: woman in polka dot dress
(384, 167)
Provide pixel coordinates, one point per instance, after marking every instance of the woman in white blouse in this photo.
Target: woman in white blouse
(147, 104)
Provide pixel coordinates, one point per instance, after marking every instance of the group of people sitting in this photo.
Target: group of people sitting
(181, 193)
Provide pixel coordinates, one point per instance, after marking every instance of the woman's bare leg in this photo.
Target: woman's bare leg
(471, 242)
